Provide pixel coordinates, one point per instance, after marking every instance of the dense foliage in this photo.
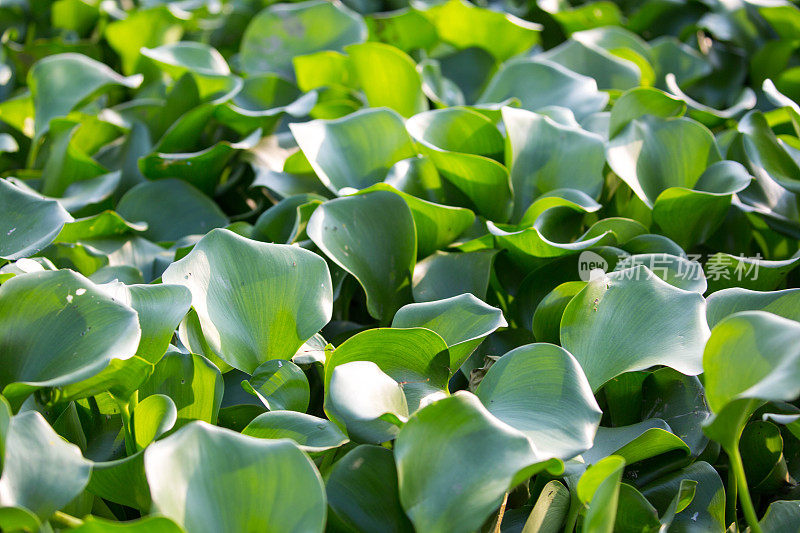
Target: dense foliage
(371, 266)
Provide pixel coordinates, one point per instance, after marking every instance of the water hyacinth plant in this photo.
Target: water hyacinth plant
(387, 265)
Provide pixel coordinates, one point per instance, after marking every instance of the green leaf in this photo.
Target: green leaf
(457, 129)
(160, 308)
(766, 469)
(267, 484)
(531, 388)
(760, 151)
(437, 225)
(636, 442)
(28, 223)
(285, 222)
(599, 489)
(365, 401)
(57, 328)
(706, 512)
(543, 155)
(311, 434)
(639, 102)
(671, 56)
(354, 151)
(119, 378)
(172, 209)
(262, 305)
(550, 511)
(262, 102)
(388, 77)
(201, 169)
(686, 492)
(280, 385)
(460, 142)
(5, 421)
(464, 25)
(677, 209)
(433, 279)
(33, 454)
(781, 515)
(87, 195)
(537, 84)
(362, 491)
(416, 358)
(462, 321)
(153, 417)
(530, 246)
(103, 225)
(634, 512)
(610, 71)
(652, 154)
(585, 16)
(19, 519)
(405, 28)
(752, 273)
(191, 336)
(708, 115)
(205, 64)
(680, 401)
(729, 301)
(122, 481)
(372, 236)
(631, 320)
(65, 162)
(323, 69)
(483, 182)
(751, 357)
(61, 82)
(280, 32)
(443, 438)
(192, 382)
(547, 316)
(144, 28)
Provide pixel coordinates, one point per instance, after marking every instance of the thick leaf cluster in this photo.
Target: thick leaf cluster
(378, 265)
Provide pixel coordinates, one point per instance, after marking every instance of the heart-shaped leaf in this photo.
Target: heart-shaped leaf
(280, 32)
(462, 321)
(29, 222)
(652, 154)
(631, 320)
(280, 385)
(372, 236)
(270, 300)
(153, 417)
(33, 453)
(171, 209)
(544, 155)
(312, 434)
(530, 388)
(191, 381)
(545, 84)
(374, 509)
(444, 435)
(60, 82)
(365, 401)
(354, 151)
(57, 328)
(268, 484)
(729, 301)
(751, 357)
(416, 358)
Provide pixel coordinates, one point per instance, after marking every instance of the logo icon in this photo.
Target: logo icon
(591, 266)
